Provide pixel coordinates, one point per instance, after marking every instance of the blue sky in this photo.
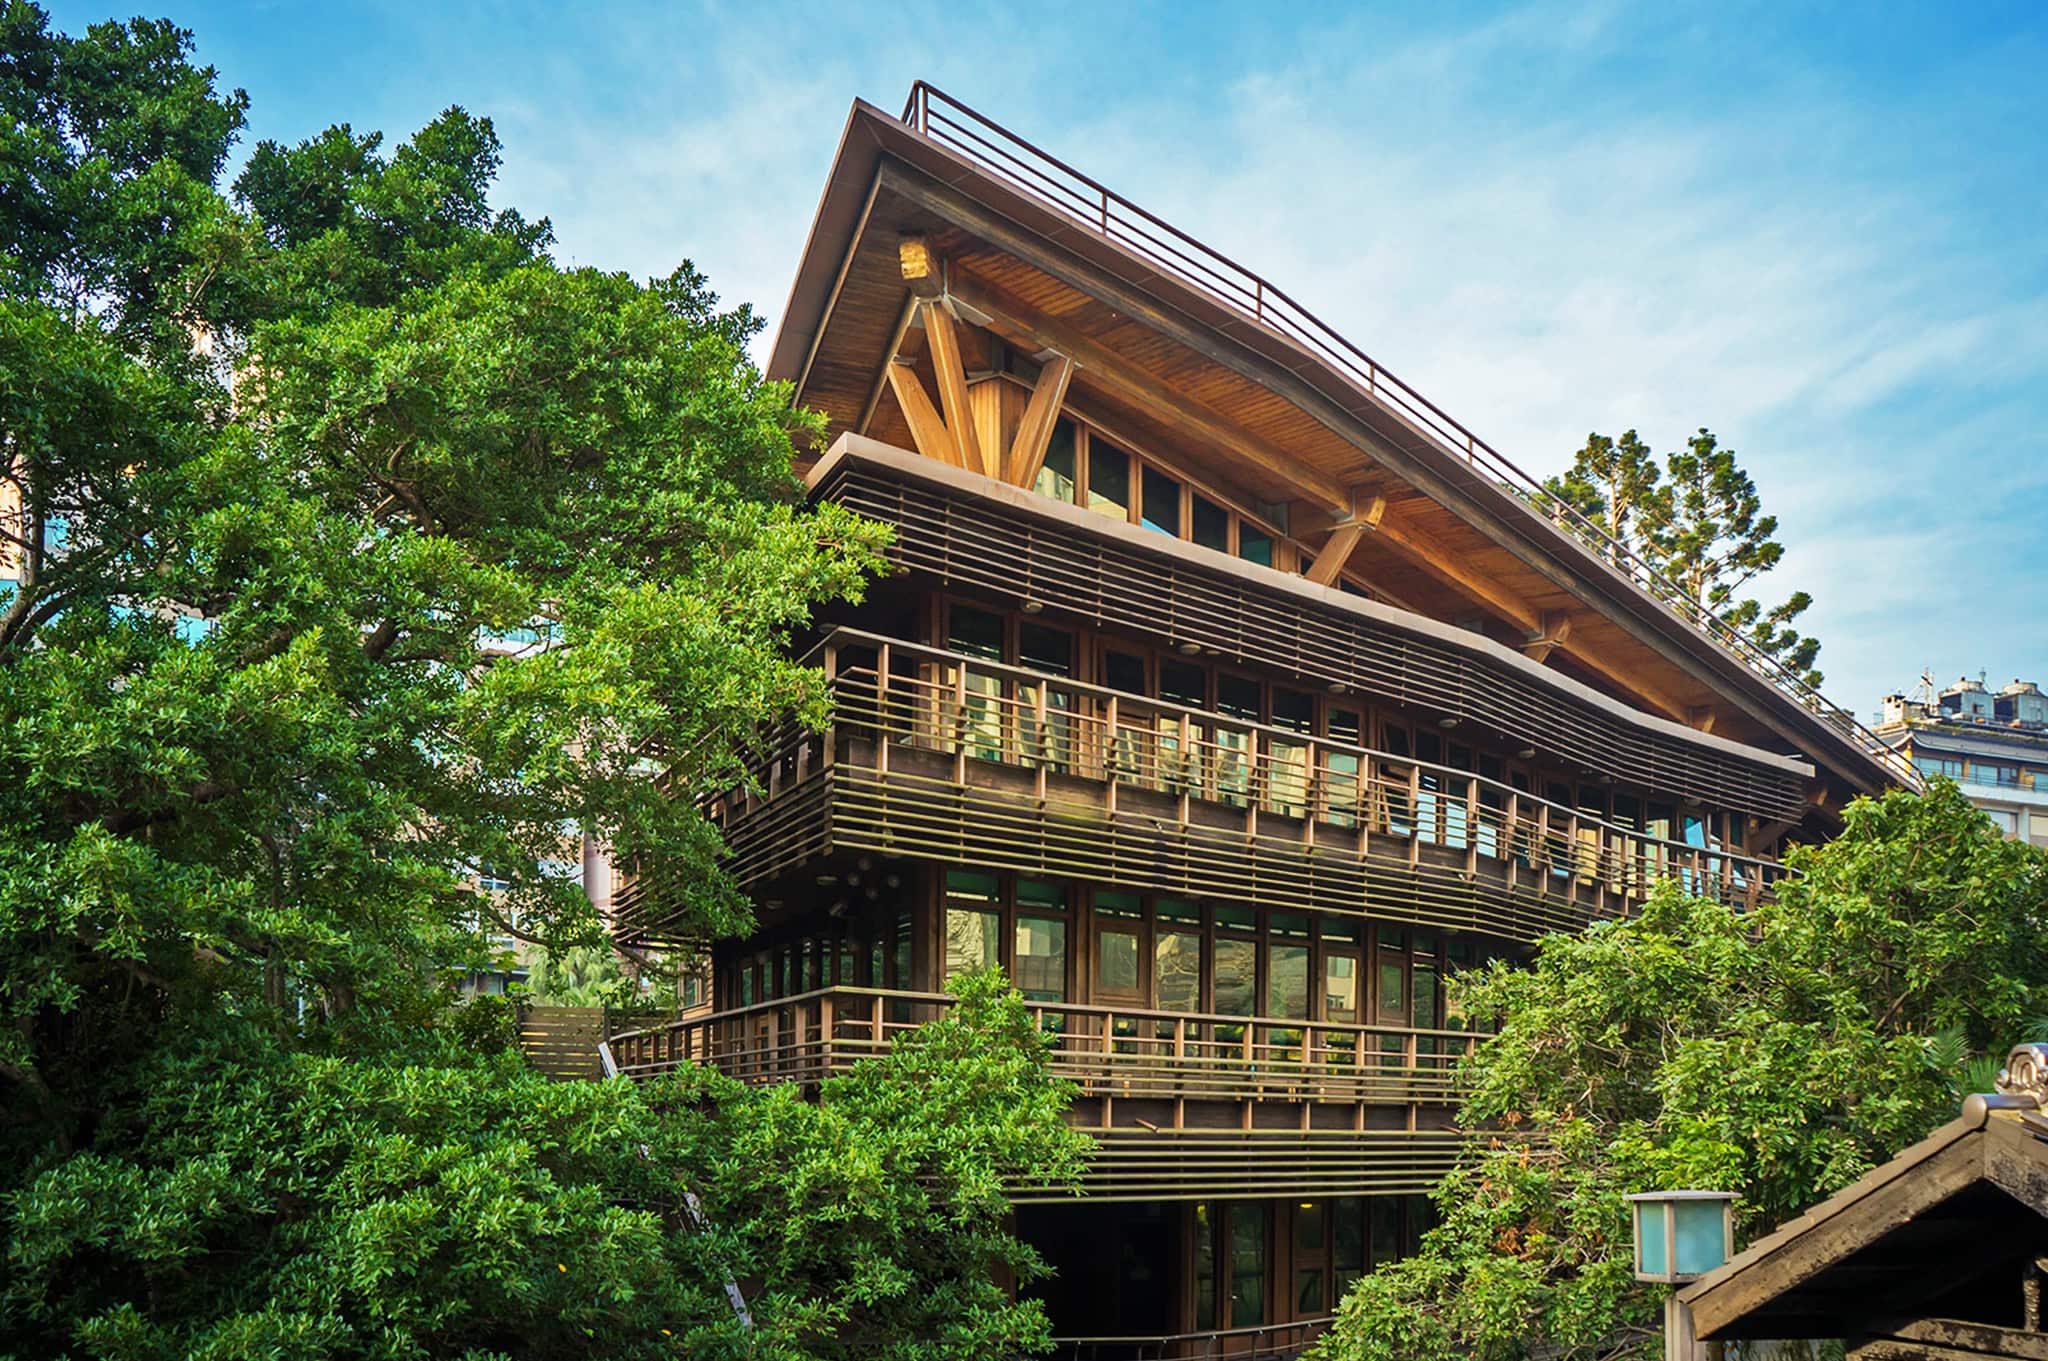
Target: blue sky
(1822, 231)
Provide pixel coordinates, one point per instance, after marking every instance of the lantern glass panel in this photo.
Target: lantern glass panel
(1651, 1257)
(1702, 1237)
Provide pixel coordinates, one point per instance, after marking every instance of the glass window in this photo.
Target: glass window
(1287, 982)
(1347, 1243)
(1237, 977)
(976, 884)
(1116, 960)
(1041, 973)
(1340, 989)
(1293, 710)
(1039, 893)
(1384, 1229)
(1237, 918)
(1183, 683)
(975, 632)
(1205, 1267)
(1254, 545)
(2037, 828)
(1209, 523)
(1109, 479)
(1308, 1256)
(1044, 648)
(1161, 507)
(1237, 696)
(971, 940)
(1112, 903)
(1177, 969)
(1056, 474)
(1247, 1266)
(1123, 671)
(1288, 924)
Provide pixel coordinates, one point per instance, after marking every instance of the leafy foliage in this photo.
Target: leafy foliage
(315, 1206)
(356, 547)
(1779, 1056)
(1697, 519)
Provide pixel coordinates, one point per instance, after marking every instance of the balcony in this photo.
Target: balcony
(1183, 1106)
(939, 756)
(1106, 1051)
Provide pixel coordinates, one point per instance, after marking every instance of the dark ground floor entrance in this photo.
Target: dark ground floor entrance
(1226, 1277)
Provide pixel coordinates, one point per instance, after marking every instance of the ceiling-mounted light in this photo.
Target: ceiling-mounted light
(1526, 754)
(1339, 688)
(1190, 649)
(1447, 722)
(1032, 606)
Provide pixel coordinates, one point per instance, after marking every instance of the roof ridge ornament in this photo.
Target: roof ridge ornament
(2022, 1085)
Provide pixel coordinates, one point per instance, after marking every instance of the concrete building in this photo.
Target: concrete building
(1995, 746)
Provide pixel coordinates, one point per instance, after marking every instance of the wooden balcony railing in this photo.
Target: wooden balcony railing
(1330, 797)
(1120, 1052)
(1096, 208)
(1270, 1342)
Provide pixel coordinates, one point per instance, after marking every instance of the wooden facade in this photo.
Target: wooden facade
(1228, 695)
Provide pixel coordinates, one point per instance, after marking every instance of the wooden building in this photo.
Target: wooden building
(1228, 694)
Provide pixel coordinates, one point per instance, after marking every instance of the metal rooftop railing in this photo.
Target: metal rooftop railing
(994, 148)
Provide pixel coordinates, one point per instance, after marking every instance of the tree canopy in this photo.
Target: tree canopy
(355, 548)
(1697, 518)
(1779, 1055)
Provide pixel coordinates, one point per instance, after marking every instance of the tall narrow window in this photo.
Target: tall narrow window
(1209, 523)
(1254, 545)
(1109, 480)
(1041, 953)
(1056, 475)
(1205, 1265)
(1309, 1255)
(1247, 1265)
(1177, 955)
(973, 922)
(1160, 509)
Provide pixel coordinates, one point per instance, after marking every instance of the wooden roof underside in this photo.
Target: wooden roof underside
(1186, 389)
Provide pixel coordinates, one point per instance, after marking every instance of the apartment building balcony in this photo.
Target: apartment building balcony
(940, 756)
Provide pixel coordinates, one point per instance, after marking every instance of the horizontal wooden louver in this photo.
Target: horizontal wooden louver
(963, 541)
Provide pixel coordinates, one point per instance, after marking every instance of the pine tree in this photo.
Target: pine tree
(1698, 519)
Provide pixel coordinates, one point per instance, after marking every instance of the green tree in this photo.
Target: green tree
(1780, 1056)
(443, 1203)
(355, 547)
(1698, 520)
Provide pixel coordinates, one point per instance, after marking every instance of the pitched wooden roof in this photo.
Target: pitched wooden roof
(1167, 340)
(1938, 1235)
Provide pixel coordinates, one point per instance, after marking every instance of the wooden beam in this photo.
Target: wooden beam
(1701, 716)
(1034, 432)
(1432, 557)
(1335, 552)
(1425, 552)
(1142, 390)
(1557, 626)
(1337, 548)
(927, 430)
(944, 342)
